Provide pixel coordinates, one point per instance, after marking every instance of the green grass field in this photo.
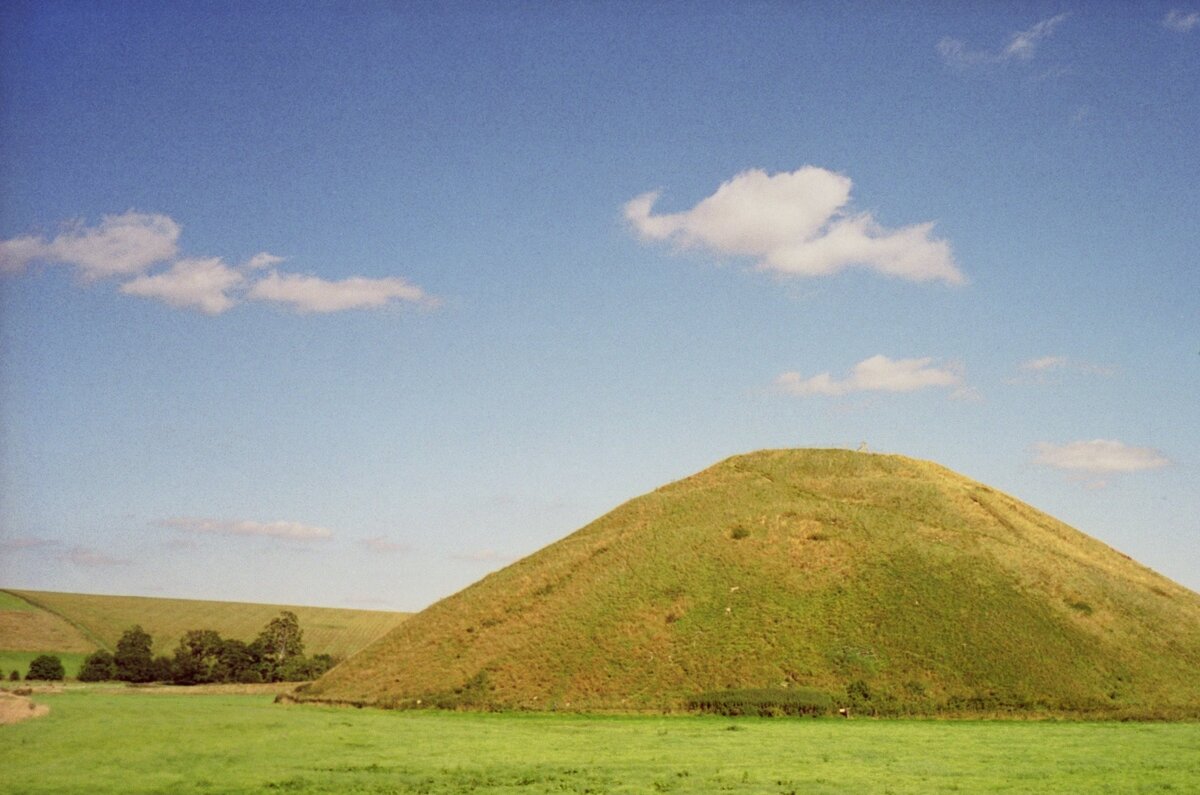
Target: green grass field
(19, 661)
(102, 740)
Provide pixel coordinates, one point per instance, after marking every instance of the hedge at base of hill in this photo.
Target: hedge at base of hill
(765, 702)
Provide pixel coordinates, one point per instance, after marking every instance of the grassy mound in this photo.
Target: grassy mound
(894, 586)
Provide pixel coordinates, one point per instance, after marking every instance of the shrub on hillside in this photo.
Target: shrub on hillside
(46, 667)
(764, 702)
(15, 676)
(98, 666)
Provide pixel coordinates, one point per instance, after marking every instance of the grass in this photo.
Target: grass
(19, 660)
(100, 620)
(101, 741)
(807, 569)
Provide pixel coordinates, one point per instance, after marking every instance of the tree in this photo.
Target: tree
(162, 669)
(235, 663)
(196, 657)
(133, 660)
(46, 667)
(98, 666)
(281, 640)
(15, 676)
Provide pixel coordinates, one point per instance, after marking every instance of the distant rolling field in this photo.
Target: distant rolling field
(72, 625)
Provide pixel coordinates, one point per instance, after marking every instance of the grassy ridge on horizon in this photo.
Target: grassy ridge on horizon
(76, 624)
(878, 579)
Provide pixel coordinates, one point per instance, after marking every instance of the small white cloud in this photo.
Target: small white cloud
(1021, 46)
(202, 284)
(1181, 21)
(262, 260)
(383, 545)
(291, 531)
(1045, 363)
(1040, 367)
(876, 374)
(129, 246)
(1099, 456)
(120, 245)
(796, 224)
(307, 294)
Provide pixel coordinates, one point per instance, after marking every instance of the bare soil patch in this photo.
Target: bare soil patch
(14, 708)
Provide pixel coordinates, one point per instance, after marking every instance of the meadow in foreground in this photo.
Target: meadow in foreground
(100, 741)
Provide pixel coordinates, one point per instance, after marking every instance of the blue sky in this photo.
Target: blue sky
(351, 303)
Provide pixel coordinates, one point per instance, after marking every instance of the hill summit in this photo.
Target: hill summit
(884, 582)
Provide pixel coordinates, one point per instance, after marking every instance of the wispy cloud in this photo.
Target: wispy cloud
(1021, 46)
(202, 284)
(142, 251)
(290, 531)
(1038, 369)
(1181, 21)
(88, 557)
(383, 545)
(1098, 456)
(262, 260)
(26, 544)
(120, 245)
(313, 294)
(796, 224)
(876, 374)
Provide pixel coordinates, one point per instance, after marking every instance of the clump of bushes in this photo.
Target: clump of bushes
(99, 666)
(763, 702)
(203, 657)
(738, 532)
(47, 668)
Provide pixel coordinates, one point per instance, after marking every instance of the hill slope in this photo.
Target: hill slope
(48, 622)
(898, 581)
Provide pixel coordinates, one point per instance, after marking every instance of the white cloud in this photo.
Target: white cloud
(130, 246)
(1098, 455)
(120, 245)
(1040, 367)
(314, 294)
(262, 260)
(292, 531)
(202, 284)
(1045, 363)
(1021, 45)
(796, 224)
(876, 374)
(1181, 21)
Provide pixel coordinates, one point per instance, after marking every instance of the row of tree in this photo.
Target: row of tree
(203, 656)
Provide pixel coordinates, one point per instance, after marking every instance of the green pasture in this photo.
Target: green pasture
(101, 740)
(19, 660)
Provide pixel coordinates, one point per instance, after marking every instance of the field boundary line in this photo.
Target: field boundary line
(87, 633)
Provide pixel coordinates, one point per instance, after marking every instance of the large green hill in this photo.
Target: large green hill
(891, 583)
